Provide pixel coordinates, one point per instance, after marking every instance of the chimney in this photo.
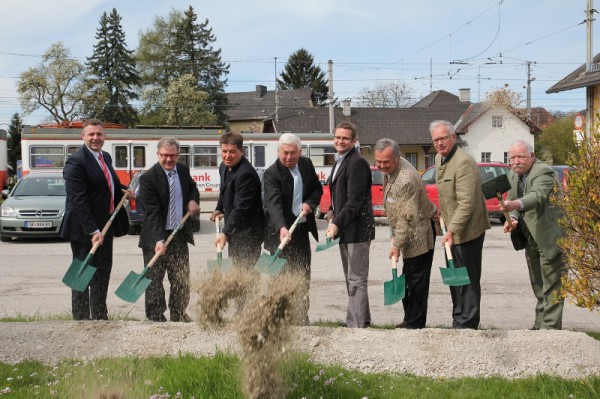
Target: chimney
(464, 95)
(260, 91)
(347, 107)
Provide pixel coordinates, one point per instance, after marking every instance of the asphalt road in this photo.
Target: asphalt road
(31, 273)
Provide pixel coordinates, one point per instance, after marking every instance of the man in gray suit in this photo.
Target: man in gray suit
(462, 206)
(529, 200)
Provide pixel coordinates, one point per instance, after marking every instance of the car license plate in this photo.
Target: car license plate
(38, 225)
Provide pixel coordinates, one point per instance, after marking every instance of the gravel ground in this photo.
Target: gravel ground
(431, 352)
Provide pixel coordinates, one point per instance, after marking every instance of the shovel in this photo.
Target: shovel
(451, 275)
(329, 241)
(134, 285)
(220, 263)
(80, 273)
(271, 264)
(394, 290)
(495, 188)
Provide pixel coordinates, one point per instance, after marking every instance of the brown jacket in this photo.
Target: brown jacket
(461, 200)
(409, 211)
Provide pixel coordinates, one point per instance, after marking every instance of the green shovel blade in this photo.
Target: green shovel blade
(270, 264)
(134, 285)
(219, 263)
(454, 276)
(329, 242)
(395, 289)
(79, 274)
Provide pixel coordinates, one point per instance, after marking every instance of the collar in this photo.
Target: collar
(450, 154)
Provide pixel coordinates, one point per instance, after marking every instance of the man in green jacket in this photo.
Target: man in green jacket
(529, 200)
(462, 207)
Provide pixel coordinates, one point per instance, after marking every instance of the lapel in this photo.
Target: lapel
(287, 179)
(344, 164)
(95, 166)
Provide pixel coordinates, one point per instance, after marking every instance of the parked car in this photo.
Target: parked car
(376, 196)
(487, 171)
(135, 209)
(34, 207)
(562, 174)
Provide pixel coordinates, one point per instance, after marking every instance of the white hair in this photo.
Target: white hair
(289, 139)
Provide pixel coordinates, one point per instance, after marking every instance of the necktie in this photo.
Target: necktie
(520, 187)
(107, 177)
(172, 208)
(297, 202)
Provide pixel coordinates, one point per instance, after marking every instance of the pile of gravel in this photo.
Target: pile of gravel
(439, 353)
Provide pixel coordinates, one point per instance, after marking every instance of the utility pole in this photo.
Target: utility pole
(589, 92)
(330, 96)
(529, 80)
(276, 94)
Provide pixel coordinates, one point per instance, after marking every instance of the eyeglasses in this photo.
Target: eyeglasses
(167, 156)
(342, 138)
(442, 139)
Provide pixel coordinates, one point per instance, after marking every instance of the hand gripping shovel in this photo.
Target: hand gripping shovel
(272, 264)
(495, 188)
(134, 285)
(452, 275)
(80, 273)
(220, 263)
(329, 241)
(394, 290)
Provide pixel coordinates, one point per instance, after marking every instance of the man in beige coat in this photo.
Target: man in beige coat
(462, 207)
(410, 215)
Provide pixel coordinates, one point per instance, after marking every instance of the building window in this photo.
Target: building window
(429, 160)
(486, 157)
(506, 160)
(412, 158)
(496, 120)
(322, 155)
(205, 156)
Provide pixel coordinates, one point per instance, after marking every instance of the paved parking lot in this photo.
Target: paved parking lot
(31, 273)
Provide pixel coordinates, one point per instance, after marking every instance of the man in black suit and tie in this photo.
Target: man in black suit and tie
(168, 192)
(291, 187)
(352, 214)
(240, 201)
(93, 190)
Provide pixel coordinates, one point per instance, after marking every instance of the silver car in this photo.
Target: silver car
(34, 208)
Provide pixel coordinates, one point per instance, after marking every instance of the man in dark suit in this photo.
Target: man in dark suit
(93, 190)
(352, 214)
(168, 192)
(292, 187)
(240, 201)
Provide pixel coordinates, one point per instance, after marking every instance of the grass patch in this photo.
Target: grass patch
(219, 377)
(66, 315)
(595, 335)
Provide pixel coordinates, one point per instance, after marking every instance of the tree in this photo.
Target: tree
(581, 225)
(185, 103)
(557, 140)
(56, 85)
(178, 46)
(300, 72)
(387, 95)
(505, 97)
(14, 141)
(112, 74)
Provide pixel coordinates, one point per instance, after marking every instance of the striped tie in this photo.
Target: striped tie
(172, 207)
(107, 177)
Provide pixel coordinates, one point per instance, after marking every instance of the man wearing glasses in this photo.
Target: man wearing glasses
(353, 222)
(463, 210)
(168, 192)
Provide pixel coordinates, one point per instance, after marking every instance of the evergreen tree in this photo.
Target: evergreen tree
(113, 72)
(14, 142)
(300, 72)
(180, 46)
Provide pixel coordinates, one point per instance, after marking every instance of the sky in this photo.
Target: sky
(430, 45)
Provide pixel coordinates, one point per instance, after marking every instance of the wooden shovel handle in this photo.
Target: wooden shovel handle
(329, 223)
(506, 214)
(291, 231)
(394, 261)
(169, 239)
(446, 245)
(112, 218)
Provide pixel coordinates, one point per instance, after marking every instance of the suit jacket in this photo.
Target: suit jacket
(87, 207)
(279, 192)
(351, 199)
(461, 200)
(409, 211)
(540, 214)
(240, 200)
(154, 191)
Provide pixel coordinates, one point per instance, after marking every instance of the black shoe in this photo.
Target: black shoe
(181, 319)
(342, 324)
(401, 325)
(158, 319)
(534, 328)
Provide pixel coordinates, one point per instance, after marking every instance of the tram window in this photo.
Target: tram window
(259, 156)
(139, 156)
(322, 155)
(205, 156)
(120, 156)
(50, 156)
(303, 150)
(184, 155)
(72, 149)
